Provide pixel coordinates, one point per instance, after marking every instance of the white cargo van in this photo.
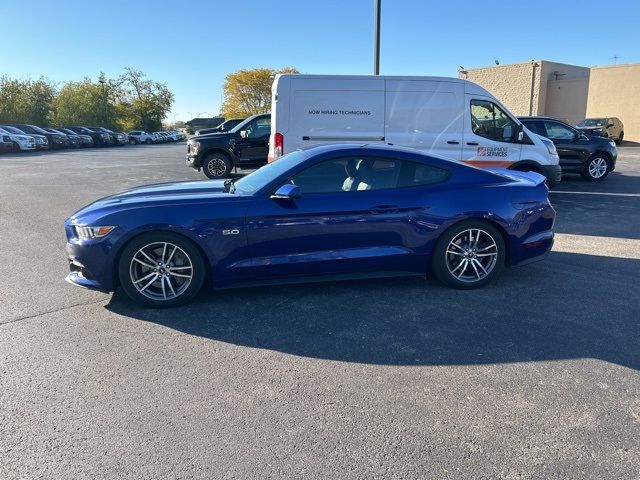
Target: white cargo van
(449, 117)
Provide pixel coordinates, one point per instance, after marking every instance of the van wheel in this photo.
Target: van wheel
(468, 255)
(596, 168)
(217, 165)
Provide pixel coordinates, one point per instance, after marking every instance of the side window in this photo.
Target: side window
(490, 121)
(260, 127)
(413, 174)
(349, 175)
(536, 127)
(557, 131)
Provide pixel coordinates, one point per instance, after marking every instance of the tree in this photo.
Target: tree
(87, 103)
(146, 103)
(248, 92)
(26, 101)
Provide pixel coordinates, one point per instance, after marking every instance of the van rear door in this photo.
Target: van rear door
(425, 114)
(327, 110)
(490, 134)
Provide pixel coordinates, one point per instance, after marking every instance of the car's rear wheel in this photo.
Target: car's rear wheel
(596, 168)
(148, 141)
(161, 269)
(217, 165)
(468, 255)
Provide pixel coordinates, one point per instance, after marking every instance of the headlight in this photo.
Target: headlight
(550, 146)
(88, 233)
(195, 146)
(612, 143)
(5, 138)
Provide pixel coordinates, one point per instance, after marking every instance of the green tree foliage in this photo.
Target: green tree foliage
(87, 103)
(248, 92)
(26, 101)
(147, 102)
(129, 102)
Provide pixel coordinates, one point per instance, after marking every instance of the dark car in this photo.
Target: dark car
(335, 211)
(223, 127)
(85, 140)
(245, 145)
(56, 140)
(100, 139)
(610, 127)
(591, 156)
(118, 138)
(74, 140)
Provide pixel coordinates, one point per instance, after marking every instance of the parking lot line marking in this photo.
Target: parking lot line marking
(597, 246)
(597, 193)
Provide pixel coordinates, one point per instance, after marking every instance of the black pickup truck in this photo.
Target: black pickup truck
(245, 145)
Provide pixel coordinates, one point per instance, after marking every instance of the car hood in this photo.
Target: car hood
(160, 194)
(216, 135)
(589, 129)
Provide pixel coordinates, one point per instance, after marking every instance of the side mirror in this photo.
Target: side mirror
(287, 191)
(610, 125)
(520, 134)
(244, 133)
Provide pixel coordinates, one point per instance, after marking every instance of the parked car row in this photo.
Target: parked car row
(25, 137)
(140, 136)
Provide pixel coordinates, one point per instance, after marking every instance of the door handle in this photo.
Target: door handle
(473, 143)
(384, 209)
(453, 142)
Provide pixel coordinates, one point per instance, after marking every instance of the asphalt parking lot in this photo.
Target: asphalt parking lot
(535, 376)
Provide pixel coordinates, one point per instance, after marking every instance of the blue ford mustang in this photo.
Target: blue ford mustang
(339, 211)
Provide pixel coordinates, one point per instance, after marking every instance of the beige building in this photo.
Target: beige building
(567, 92)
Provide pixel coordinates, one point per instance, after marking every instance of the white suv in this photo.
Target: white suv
(139, 136)
(22, 143)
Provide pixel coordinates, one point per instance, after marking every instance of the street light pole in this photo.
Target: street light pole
(376, 36)
(104, 101)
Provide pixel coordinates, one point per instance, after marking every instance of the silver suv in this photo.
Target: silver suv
(608, 127)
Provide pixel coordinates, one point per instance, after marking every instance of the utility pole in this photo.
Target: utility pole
(104, 101)
(376, 36)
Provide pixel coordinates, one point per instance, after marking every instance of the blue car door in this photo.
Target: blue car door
(350, 219)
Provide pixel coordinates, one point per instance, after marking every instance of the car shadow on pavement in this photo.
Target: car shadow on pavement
(567, 307)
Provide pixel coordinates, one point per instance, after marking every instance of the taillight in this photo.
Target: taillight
(278, 145)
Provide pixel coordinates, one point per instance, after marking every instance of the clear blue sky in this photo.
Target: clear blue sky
(192, 45)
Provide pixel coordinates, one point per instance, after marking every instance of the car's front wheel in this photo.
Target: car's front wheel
(468, 255)
(620, 138)
(596, 168)
(217, 165)
(161, 269)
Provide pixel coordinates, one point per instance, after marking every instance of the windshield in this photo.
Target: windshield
(592, 122)
(38, 129)
(13, 130)
(264, 175)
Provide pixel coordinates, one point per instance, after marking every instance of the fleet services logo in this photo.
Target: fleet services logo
(491, 152)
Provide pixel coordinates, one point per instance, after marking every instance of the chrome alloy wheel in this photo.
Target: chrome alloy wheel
(471, 255)
(598, 167)
(217, 167)
(161, 271)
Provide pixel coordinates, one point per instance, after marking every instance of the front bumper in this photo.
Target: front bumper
(193, 161)
(90, 264)
(553, 174)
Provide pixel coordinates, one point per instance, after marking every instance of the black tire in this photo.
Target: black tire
(148, 141)
(15, 148)
(217, 165)
(166, 280)
(620, 138)
(449, 267)
(596, 168)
